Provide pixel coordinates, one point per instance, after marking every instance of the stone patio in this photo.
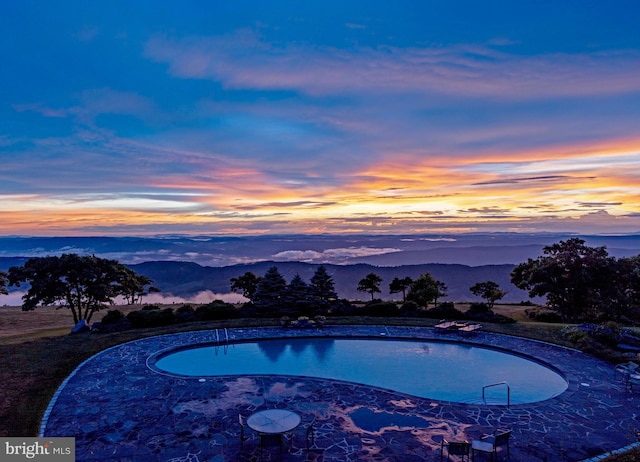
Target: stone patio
(118, 409)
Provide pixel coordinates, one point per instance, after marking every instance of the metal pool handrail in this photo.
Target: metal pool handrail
(499, 383)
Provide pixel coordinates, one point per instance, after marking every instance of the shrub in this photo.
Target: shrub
(186, 313)
(216, 310)
(549, 316)
(381, 309)
(150, 307)
(543, 315)
(446, 310)
(574, 334)
(478, 308)
(151, 317)
(112, 317)
(607, 334)
(481, 312)
(342, 308)
(500, 319)
(591, 337)
(185, 309)
(409, 308)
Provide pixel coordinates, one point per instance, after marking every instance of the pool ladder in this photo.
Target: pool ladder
(496, 384)
(225, 340)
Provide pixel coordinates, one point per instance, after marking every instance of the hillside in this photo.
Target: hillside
(185, 279)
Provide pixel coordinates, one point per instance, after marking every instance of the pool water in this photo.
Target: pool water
(446, 371)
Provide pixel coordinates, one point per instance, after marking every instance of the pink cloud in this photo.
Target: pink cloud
(243, 60)
(41, 109)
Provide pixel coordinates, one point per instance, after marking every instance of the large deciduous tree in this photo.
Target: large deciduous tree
(400, 285)
(426, 289)
(133, 286)
(621, 296)
(489, 291)
(370, 284)
(84, 284)
(247, 284)
(576, 279)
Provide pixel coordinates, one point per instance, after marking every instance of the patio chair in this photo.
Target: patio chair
(626, 369)
(633, 380)
(455, 448)
(270, 440)
(310, 433)
(490, 443)
(242, 434)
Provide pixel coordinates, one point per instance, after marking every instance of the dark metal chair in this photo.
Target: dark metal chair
(270, 440)
(455, 448)
(242, 431)
(625, 370)
(490, 444)
(310, 433)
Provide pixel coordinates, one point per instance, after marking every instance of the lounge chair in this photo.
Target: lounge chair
(470, 327)
(455, 448)
(450, 325)
(490, 443)
(626, 369)
(445, 324)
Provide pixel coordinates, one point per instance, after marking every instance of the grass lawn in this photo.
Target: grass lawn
(37, 355)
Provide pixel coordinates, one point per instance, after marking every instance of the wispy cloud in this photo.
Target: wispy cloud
(336, 255)
(525, 180)
(244, 60)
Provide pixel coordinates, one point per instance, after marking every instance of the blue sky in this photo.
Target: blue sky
(246, 117)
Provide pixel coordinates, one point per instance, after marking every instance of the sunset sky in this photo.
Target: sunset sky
(257, 117)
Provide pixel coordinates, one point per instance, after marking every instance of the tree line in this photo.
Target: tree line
(271, 290)
(580, 283)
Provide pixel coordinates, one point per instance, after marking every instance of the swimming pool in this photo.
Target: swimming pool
(446, 371)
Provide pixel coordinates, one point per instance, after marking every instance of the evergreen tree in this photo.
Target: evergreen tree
(270, 291)
(298, 296)
(3, 283)
(322, 286)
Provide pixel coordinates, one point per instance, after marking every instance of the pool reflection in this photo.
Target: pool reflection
(274, 349)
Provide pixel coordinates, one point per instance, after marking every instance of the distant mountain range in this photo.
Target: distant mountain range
(380, 250)
(186, 279)
(184, 266)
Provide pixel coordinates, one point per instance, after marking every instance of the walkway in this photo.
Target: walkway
(120, 410)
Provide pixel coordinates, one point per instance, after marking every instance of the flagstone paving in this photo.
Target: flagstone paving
(119, 409)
